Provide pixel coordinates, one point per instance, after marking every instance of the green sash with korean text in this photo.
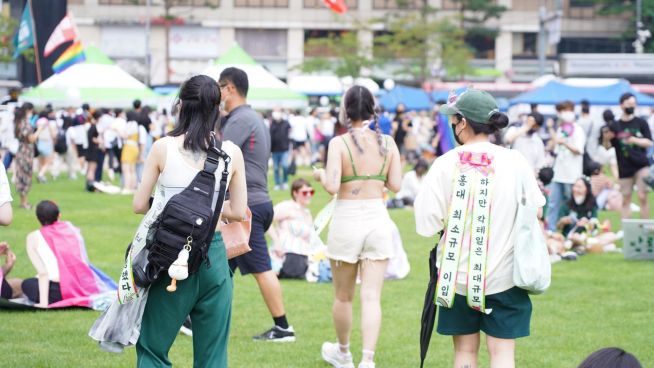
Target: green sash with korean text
(468, 222)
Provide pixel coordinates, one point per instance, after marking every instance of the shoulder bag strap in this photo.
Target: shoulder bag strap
(211, 164)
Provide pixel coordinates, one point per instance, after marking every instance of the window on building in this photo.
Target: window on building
(261, 3)
(529, 45)
(594, 45)
(208, 3)
(313, 4)
(484, 46)
(397, 4)
(456, 4)
(263, 44)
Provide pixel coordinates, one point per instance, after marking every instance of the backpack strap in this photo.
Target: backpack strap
(214, 154)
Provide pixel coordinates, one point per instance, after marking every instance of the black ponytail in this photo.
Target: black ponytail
(496, 122)
(199, 112)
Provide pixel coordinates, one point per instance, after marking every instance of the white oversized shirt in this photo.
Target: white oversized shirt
(568, 167)
(433, 202)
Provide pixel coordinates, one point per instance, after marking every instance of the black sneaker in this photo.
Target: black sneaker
(186, 328)
(277, 334)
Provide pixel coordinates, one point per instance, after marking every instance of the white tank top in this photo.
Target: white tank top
(48, 258)
(178, 173)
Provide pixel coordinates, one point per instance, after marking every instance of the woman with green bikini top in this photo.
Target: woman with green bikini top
(360, 164)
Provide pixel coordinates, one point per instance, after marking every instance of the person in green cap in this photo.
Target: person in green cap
(471, 193)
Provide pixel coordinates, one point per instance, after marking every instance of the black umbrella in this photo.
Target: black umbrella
(429, 309)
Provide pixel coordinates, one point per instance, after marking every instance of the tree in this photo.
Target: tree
(609, 7)
(424, 43)
(475, 13)
(339, 53)
(7, 30)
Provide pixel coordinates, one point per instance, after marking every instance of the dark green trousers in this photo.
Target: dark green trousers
(207, 297)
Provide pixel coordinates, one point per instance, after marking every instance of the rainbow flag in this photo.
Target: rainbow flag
(73, 55)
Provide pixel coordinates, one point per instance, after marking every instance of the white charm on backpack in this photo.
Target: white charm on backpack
(179, 269)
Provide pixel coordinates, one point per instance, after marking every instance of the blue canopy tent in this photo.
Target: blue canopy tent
(412, 98)
(555, 92)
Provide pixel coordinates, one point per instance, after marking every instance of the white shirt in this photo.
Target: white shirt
(326, 126)
(79, 135)
(5, 190)
(433, 201)
(530, 146)
(410, 185)
(299, 128)
(48, 258)
(178, 172)
(568, 167)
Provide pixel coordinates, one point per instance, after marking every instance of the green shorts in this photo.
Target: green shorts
(509, 319)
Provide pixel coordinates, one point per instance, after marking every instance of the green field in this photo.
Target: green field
(595, 302)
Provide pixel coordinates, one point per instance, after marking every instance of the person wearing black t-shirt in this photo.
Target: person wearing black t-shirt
(631, 137)
(280, 130)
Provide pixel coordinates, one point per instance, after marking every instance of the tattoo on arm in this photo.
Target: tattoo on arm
(356, 191)
(334, 178)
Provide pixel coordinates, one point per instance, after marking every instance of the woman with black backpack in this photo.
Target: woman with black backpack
(206, 295)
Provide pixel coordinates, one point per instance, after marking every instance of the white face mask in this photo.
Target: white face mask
(579, 199)
(568, 116)
(276, 115)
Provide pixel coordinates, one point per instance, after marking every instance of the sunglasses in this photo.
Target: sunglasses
(309, 192)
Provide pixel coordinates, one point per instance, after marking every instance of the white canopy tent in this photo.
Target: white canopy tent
(265, 90)
(97, 81)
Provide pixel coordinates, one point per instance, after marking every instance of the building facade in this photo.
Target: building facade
(186, 35)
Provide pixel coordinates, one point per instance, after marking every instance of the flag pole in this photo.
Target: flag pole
(36, 44)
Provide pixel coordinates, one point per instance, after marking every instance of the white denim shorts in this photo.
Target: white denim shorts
(360, 230)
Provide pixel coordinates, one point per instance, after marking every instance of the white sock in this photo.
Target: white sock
(344, 348)
(368, 356)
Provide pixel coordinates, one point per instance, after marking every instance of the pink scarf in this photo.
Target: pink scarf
(79, 280)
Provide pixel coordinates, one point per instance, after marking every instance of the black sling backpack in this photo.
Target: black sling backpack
(187, 218)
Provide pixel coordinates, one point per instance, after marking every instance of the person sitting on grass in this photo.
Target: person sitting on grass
(6, 212)
(9, 288)
(578, 222)
(410, 185)
(291, 232)
(65, 277)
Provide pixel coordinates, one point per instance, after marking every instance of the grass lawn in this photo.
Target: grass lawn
(595, 302)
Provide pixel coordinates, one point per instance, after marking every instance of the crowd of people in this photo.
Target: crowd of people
(98, 144)
(566, 158)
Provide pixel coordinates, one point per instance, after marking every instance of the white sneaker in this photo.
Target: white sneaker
(332, 354)
(367, 365)
(276, 188)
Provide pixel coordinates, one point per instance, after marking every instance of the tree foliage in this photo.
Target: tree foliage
(475, 13)
(612, 7)
(424, 44)
(7, 30)
(339, 53)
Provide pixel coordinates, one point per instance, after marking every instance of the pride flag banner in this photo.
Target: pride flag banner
(73, 55)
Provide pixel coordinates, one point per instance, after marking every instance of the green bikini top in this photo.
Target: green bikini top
(380, 176)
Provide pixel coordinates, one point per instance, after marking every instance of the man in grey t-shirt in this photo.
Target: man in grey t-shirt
(245, 128)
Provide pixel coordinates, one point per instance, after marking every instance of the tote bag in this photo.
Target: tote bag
(236, 235)
(532, 270)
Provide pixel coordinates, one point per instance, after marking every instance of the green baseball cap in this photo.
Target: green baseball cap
(474, 105)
